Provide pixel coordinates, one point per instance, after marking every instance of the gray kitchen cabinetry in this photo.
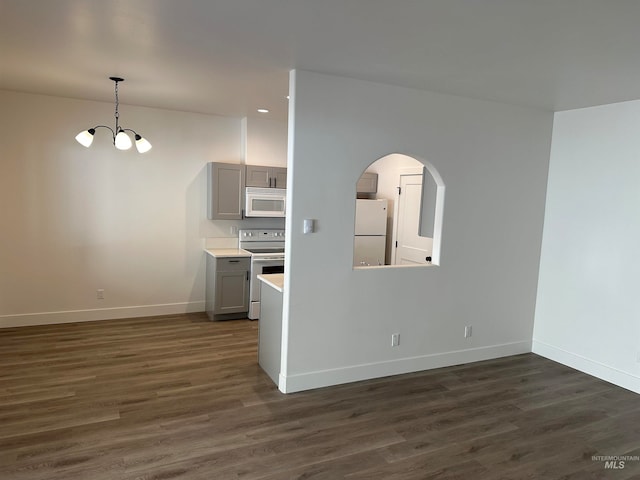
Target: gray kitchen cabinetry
(227, 289)
(279, 176)
(368, 183)
(225, 191)
(266, 177)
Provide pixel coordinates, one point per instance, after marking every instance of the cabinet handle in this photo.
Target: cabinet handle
(247, 274)
(234, 261)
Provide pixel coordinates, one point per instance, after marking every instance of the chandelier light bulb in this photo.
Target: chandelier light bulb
(85, 138)
(122, 141)
(142, 144)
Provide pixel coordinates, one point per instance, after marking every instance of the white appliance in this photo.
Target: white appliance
(370, 242)
(265, 202)
(267, 256)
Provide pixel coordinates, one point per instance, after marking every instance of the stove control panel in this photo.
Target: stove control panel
(256, 235)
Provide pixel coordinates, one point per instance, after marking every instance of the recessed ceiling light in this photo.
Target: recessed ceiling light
(263, 110)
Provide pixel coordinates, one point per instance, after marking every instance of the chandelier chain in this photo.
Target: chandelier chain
(117, 114)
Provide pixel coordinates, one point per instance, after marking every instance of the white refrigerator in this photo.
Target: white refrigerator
(370, 242)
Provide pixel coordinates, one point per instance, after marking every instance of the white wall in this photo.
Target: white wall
(265, 141)
(75, 219)
(493, 159)
(587, 313)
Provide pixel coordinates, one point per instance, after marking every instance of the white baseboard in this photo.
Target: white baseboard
(46, 318)
(586, 365)
(337, 376)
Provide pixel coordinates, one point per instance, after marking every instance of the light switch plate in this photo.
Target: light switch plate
(308, 226)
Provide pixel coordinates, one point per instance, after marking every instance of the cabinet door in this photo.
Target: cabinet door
(232, 292)
(278, 177)
(257, 176)
(225, 191)
(368, 183)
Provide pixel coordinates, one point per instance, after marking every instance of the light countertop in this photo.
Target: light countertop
(274, 280)
(227, 252)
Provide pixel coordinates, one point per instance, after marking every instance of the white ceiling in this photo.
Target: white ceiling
(230, 57)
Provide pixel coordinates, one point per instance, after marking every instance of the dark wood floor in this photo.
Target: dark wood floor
(182, 398)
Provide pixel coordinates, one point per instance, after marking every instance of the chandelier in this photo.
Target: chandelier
(121, 139)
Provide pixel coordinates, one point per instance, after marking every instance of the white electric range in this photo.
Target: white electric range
(267, 256)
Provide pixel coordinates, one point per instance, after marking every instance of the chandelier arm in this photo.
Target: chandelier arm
(113, 133)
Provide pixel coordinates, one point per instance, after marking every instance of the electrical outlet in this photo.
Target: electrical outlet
(233, 230)
(100, 294)
(468, 331)
(395, 339)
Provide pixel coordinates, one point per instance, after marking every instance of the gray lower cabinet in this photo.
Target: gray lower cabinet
(265, 177)
(227, 289)
(225, 191)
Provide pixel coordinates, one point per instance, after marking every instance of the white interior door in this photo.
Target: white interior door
(411, 249)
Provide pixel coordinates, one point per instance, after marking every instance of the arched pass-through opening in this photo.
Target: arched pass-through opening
(399, 212)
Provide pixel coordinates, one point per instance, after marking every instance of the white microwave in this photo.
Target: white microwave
(265, 202)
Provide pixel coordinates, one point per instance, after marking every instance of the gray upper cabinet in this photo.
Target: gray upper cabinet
(279, 176)
(225, 191)
(257, 176)
(266, 177)
(368, 183)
